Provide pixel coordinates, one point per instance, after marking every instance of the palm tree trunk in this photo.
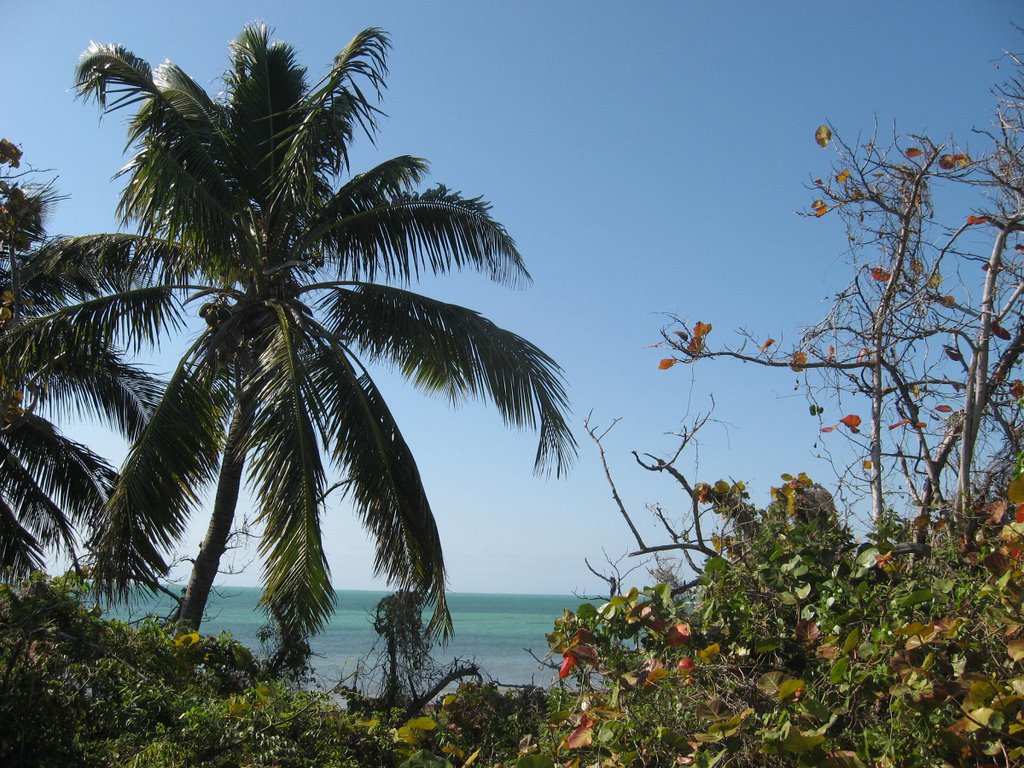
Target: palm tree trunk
(207, 563)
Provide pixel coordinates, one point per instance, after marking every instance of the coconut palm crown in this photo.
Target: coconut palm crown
(246, 209)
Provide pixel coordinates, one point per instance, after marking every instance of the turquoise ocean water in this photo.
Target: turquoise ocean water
(494, 631)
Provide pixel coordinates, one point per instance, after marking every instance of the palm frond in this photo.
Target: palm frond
(52, 484)
(106, 71)
(325, 119)
(176, 187)
(137, 318)
(384, 483)
(265, 83)
(162, 480)
(397, 237)
(453, 350)
(20, 553)
(286, 468)
(95, 264)
(103, 388)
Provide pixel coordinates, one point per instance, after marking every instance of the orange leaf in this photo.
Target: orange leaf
(914, 152)
(901, 423)
(971, 220)
(767, 344)
(667, 363)
(852, 421)
(799, 361)
(701, 329)
(920, 424)
(880, 274)
(819, 208)
(867, 464)
(943, 408)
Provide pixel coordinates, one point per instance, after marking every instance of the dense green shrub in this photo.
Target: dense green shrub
(801, 645)
(808, 647)
(77, 689)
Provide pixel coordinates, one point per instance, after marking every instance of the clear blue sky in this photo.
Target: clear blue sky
(648, 158)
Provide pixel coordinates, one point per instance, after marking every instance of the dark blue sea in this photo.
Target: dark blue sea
(497, 632)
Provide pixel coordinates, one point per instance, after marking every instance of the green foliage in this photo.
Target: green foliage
(801, 646)
(807, 647)
(76, 689)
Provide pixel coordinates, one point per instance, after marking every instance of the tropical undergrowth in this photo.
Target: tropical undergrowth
(801, 645)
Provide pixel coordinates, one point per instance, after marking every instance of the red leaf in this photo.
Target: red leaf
(880, 275)
(584, 654)
(686, 664)
(901, 423)
(914, 152)
(677, 635)
(852, 422)
(971, 220)
(1017, 388)
(920, 424)
(767, 344)
(582, 735)
(999, 331)
(946, 162)
(568, 662)
(807, 631)
(953, 353)
(1019, 248)
(943, 408)
(828, 429)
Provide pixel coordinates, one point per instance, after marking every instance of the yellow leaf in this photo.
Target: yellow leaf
(1015, 493)
(868, 465)
(709, 653)
(842, 176)
(823, 136)
(422, 723)
(186, 640)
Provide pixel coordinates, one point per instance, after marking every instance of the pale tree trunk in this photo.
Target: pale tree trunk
(207, 563)
(977, 394)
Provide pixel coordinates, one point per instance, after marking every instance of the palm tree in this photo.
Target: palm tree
(245, 206)
(51, 487)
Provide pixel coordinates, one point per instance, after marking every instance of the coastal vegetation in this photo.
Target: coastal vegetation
(875, 623)
(245, 210)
